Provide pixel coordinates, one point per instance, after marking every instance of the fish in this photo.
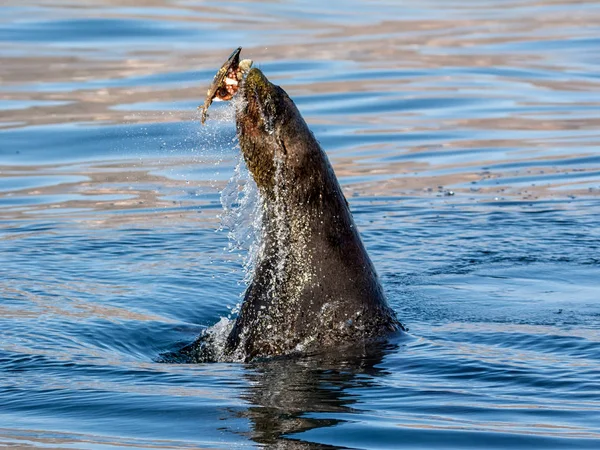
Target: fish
(226, 82)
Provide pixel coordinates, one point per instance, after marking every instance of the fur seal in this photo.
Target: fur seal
(314, 286)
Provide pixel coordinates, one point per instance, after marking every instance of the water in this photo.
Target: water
(465, 135)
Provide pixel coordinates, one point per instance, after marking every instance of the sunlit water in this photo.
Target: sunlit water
(466, 137)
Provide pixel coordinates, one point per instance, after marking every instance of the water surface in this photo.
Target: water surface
(466, 137)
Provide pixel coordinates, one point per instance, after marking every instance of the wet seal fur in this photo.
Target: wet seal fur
(314, 287)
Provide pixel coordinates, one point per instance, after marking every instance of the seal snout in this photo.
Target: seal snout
(262, 98)
(256, 83)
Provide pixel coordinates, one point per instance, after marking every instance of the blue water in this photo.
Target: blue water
(466, 136)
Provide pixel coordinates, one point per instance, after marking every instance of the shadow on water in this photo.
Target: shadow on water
(288, 395)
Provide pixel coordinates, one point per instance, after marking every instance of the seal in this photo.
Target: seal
(314, 285)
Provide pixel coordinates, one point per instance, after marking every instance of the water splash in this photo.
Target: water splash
(241, 217)
(281, 225)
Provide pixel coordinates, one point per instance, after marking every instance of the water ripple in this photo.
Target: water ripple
(465, 136)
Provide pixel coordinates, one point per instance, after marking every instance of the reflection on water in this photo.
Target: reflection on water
(465, 136)
(288, 397)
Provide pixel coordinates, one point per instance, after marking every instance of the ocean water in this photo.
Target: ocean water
(466, 136)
